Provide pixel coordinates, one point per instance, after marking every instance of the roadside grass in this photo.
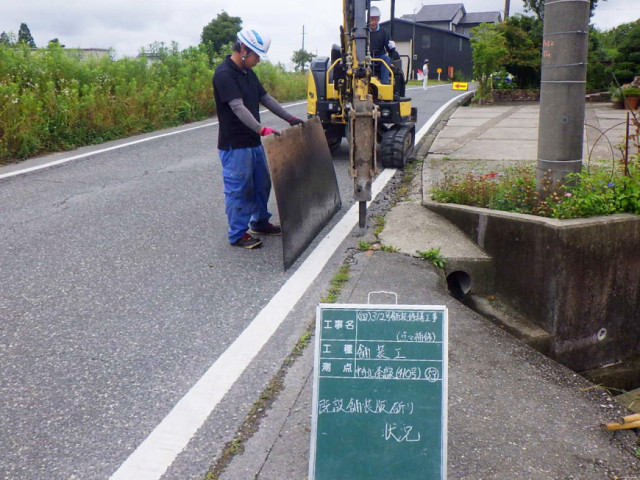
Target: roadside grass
(336, 284)
(433, 255)
(415, 83)
(52, 99)
(380, 223)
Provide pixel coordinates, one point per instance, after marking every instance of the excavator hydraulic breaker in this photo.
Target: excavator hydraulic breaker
(363, 125)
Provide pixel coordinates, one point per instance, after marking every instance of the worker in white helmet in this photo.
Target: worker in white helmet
(425, 73)
(238, 94)
(380, 44)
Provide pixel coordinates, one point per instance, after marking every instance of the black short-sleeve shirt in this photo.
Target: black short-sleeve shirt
(231, 82)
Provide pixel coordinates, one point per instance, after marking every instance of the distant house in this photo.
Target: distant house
(446, 50)
(441, 34)
(88, 53)
(150, 57)
(452, 17)
(82, 53)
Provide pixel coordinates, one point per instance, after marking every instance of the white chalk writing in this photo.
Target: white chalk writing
(364, 406)
(403, 433)
(397, 316)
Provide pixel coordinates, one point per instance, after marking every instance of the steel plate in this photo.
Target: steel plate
(304, 183)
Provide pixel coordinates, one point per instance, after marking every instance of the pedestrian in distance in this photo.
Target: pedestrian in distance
(425, 73)
(380, 44)
(238, 94)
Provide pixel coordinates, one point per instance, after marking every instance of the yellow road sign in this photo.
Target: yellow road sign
(439, 70)
(461, 85)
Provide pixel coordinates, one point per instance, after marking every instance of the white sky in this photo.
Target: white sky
(128, 25)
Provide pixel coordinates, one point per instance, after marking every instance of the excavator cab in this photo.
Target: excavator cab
(331, 83)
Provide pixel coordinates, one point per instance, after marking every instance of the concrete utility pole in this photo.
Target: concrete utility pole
(562, 89)
(303, 34)
(507, 7)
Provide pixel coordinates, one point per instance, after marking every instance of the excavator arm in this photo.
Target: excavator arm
(362, 112)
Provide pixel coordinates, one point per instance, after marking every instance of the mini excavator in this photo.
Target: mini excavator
(346, 93)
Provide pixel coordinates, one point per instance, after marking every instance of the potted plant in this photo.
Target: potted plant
(632, 95)
(616, 98)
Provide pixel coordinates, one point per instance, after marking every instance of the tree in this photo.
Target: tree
(55, 41)
(6, 38)
(220, 31)
(489, 50)
(523, 59)
(301, 58)
(622, 46)
(537, 7)
(24, 36)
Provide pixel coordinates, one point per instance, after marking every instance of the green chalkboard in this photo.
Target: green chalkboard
(380, 393)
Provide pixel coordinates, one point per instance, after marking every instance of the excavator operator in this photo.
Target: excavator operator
(380, 44)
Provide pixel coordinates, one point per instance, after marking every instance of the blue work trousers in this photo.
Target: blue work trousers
(385, 74)
(247, 186)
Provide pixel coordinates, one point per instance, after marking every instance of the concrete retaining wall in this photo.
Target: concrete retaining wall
(577, 279)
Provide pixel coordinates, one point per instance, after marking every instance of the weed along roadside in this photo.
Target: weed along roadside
(65, 102)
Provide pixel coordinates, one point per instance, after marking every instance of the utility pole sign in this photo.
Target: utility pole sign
(380, 393)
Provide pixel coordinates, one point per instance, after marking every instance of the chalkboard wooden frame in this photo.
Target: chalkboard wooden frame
(379, 414)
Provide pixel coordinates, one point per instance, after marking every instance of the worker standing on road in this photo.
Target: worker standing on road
(425, 73)
(380, 44)
(238, 94)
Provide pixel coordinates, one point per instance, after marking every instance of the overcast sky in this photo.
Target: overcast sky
(128, 25)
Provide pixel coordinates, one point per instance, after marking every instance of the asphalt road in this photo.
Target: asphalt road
(118, 291)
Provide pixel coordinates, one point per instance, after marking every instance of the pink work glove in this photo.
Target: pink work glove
(264, 131)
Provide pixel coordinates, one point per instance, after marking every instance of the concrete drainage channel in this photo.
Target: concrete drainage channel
(568, 288)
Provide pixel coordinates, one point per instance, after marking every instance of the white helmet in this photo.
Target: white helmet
(257, 42)
(374, 12)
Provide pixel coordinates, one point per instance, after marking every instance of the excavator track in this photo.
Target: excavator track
(397, 144)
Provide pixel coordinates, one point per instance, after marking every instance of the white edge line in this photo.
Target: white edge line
(115, 147)
(159, 450)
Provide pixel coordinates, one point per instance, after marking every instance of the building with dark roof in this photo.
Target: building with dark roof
(471, 20)
(452, 17)
(446, 50)
(441, 34)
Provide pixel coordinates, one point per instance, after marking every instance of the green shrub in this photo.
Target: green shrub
(624, 76)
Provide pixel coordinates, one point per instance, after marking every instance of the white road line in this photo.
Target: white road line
(159, 450)
(429, 88)
(115, 147)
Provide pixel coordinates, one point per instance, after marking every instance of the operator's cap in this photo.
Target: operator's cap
(374, 12)
(256, 41)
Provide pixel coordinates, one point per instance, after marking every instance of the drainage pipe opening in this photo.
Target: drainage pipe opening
(459, 283)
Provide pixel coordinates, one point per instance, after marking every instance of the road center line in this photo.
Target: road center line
(159, 450)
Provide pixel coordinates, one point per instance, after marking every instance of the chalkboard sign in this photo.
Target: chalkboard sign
(380, 393)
